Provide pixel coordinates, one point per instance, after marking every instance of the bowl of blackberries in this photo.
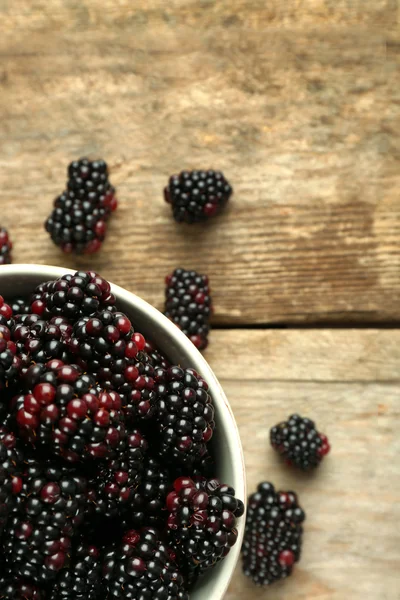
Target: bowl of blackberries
(121, 469)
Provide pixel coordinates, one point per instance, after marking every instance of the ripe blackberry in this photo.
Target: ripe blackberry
(17, 589)
(299, 443)
(185, 416)
(78, 220)
(188, 304)
(66, 414)
(73, 296)
(10, 363)
(113, 486)
(81, 579)
(201, 523)
(273, 535)
(38, 340)
(148, 507)
(5, 247)
(20, 306)
(11, 464)
(37, 538)
(197, 195)
(157, 359)
(141, 568)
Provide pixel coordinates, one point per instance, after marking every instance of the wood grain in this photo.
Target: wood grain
(297, 102)
(352, 538)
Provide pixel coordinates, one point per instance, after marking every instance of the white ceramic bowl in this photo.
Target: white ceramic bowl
(20, 280)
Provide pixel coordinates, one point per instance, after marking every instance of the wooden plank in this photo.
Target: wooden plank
(352, 538)
(298, 105)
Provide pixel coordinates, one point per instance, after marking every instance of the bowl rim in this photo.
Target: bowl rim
(226, 569)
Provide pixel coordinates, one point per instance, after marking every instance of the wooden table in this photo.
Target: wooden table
(298, 103)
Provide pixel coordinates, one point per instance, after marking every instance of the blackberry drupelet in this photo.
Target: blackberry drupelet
(66, 414)
(188, 304)
(78, 220)
(273, 535)
(197, 195)
(299, 443)
(81, 579)
(38, 536)
(73, 296)
(141, 568)
(18, 589)
(202, 523)
(185, 416)
(5, 247)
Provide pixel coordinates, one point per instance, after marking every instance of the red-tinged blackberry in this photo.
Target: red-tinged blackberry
(65, 413)
(11, 465)
(112, 488)
(202, 523)
(141, 568)
(197, 195)
(185, 416)
(88, 180)
(38, 537)
(15, 588)
(188, 304)
(10, 363)
(273, 535)
(20, 306)
(73, 296)
(299, 443)
(38, 340)
(149, 502)
(81, 578)
(5, 247)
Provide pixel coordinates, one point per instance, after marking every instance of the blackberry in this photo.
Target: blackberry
(38, 536)
(299, 443)
(73, 296)
(78, 220)
(197, 195)
(141, 568)
(38, 340)
(5, 247)
(148, 507)
(18, 589)
(273, 535)
(20, 306)
(188, 304)
(157, 359)
(202, 523)
(10, 363)
(113, 486)
(81, 579)
(66, 414)
(11, 464)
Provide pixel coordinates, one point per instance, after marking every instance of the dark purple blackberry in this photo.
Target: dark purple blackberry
(38, 536)
(15, 588)
(20, 306)
(299, 443)
(78, 220)
(112, 488)
(197, 195)
(188, 304)
(81, 578)
(185, 416)
(148, 507)
(11, 465)
(73, 296)
(38, 340)
(273, 536)
(141, 568)
(10, 363)
(202, 523)
(66, 414)
(5, 247)
(157, 359)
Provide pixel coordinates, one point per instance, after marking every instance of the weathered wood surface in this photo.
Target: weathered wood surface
(298, 102)
(352, 534)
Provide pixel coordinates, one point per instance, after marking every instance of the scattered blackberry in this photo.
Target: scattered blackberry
(73, 296)
(148, 507)
(64, 413)
(299, 443)
(78, 220)
(273, 535)
(11, 464)
(201, 523)
(185, 416)
(197, 195)
(20, 306)
(18, 589)
(81, 579)
(142, 568)
(188, 304)
(5, 247)
(38, 536)
(113, 486)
